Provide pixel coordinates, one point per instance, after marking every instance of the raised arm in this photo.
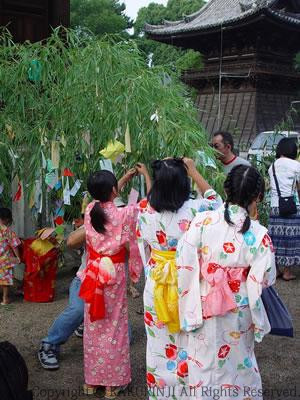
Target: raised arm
(126, 178)
(192, 171)
(142, 170)
(76, 239)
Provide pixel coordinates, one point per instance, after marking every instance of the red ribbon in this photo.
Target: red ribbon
(92, 290)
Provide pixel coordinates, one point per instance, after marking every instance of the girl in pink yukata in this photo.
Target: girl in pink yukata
(109, 230)
(9, 253)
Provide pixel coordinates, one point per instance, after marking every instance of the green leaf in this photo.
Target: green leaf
(162, 226)
(172, 338)
(151, 369)
(150, 331)
(181, 381)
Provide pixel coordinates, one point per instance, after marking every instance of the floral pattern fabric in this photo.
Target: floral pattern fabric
(106, 342)
(220, 347)
(8, 241)
(167, 356)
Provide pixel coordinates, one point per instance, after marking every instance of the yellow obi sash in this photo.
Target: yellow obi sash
(164, 275)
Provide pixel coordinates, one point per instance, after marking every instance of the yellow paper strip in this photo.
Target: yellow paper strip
(127, 140)
(55, 156)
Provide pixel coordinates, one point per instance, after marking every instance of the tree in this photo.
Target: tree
(99, 16)
(155, 13)
(162, 54)
(78, 96)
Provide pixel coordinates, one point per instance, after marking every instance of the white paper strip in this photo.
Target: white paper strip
(67, 197)
(106, 165)
(142, 183)
(75, 188)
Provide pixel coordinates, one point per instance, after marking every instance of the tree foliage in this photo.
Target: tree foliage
(99, 16)
(100, 87)
(162, 54)
(155, 13)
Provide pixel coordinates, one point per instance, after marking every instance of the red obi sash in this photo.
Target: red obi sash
(96, 278)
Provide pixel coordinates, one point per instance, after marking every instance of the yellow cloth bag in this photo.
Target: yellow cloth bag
(164, 275)
(41, 247)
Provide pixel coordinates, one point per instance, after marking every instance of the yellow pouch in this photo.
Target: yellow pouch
(41, 247)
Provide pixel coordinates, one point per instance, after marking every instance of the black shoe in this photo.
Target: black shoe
(47, 355)
(79, 331)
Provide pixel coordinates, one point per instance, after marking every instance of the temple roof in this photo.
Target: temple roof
(218, 13)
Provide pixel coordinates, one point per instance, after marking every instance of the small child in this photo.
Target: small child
(9, 253)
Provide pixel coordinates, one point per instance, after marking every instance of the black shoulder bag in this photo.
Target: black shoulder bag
(287, 205)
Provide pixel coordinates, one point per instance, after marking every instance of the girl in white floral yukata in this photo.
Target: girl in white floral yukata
(163, 219)
(224, 261)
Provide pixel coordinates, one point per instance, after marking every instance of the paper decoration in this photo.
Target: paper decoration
(113, 150)
(63, 140)
(1, 188)
(44, 162)
(60, 212)
(67, 172)
(10, 131)
(206, 160)
(51, 179)
(55, 156)
(142, 187)
(127, 140)
(50, 166)
(87, 137)
(155, 116)
(18, 195)
(85, 202)
(67, 197)
(59, 220)
(59, 230)
(75, 187)
(35, 71)
(133, 197)
(119, 159)
(58, 185)
(106, 165)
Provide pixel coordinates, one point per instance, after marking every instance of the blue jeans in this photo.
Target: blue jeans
(72, 316)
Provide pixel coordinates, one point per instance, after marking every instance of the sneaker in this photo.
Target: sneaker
(79, 331)
(48, 356)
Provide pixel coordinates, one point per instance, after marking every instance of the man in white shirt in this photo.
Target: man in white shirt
(223, 143)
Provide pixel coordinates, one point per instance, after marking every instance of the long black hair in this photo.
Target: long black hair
(243, 185)
(100, 185)
(13, 374)
(171, 185)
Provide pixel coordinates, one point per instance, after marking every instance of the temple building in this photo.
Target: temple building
(249, 82)
(33, 20)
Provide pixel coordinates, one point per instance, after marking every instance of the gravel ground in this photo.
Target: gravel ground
(24, 324)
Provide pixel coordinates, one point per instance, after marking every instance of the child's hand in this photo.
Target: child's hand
(141, 169)
(130, 174)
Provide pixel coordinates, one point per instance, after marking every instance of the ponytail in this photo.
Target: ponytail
(246, 225)
(226, 214)
(98, 218)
